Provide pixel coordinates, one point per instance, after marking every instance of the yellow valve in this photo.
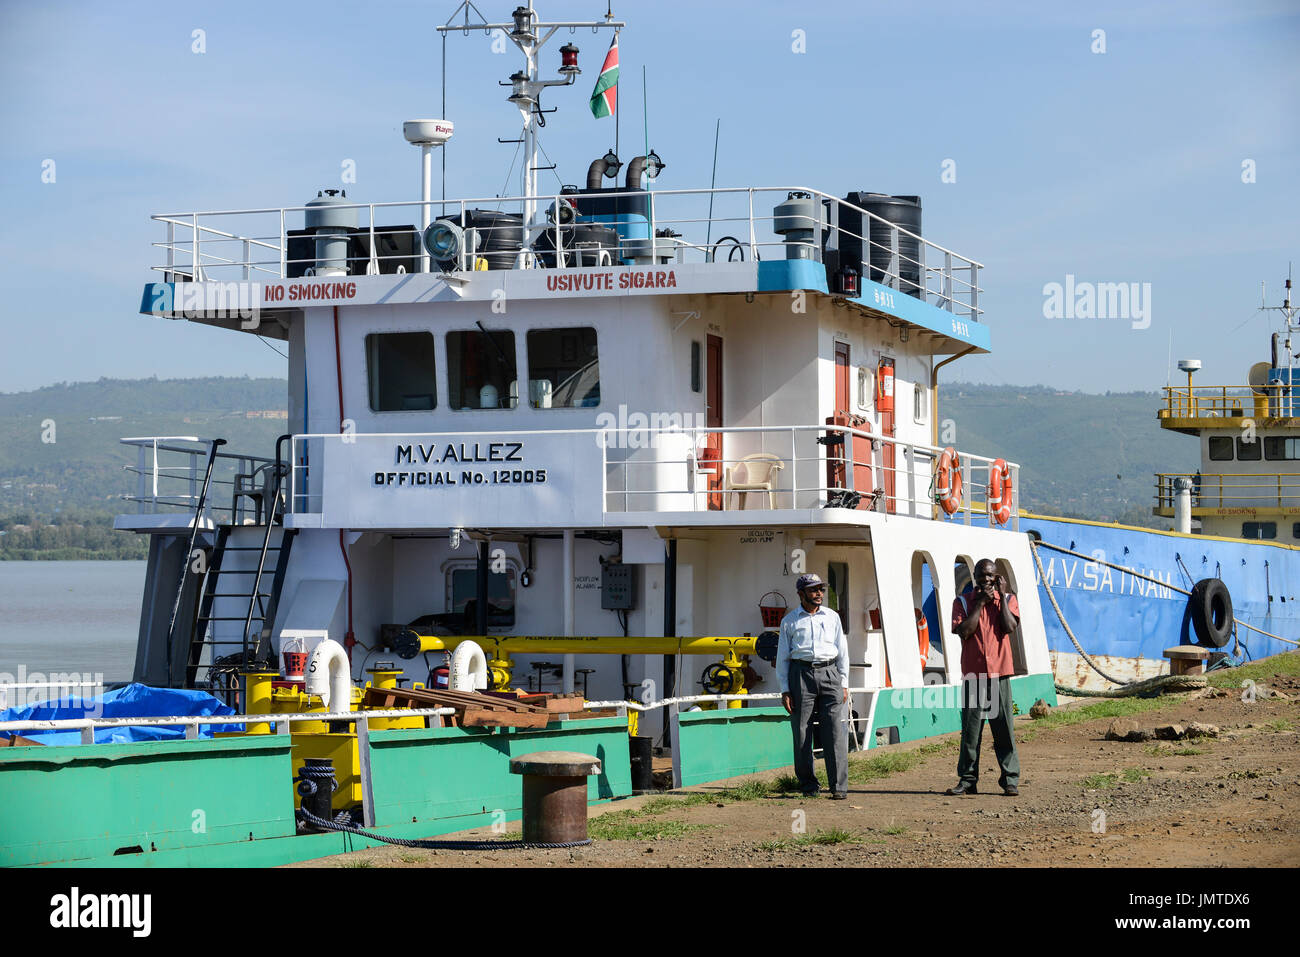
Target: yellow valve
(257, 698)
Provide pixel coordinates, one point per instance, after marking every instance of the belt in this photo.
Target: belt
(815, 664)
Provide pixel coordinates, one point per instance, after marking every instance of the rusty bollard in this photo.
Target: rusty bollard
(555, 795)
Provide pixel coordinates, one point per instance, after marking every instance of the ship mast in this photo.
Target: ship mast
(530, 34)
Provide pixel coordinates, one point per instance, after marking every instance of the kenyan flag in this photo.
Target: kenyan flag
(605, 96)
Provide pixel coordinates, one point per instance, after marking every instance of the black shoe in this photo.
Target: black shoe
(961, 787)
(811, 794)
(1011, 791)
(840, 796)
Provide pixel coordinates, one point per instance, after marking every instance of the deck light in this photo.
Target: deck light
(569, 60)
(520, 95)
(523, 30)
(612, 164)
(653, 164)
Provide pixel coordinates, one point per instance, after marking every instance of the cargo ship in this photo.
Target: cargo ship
(581, 444)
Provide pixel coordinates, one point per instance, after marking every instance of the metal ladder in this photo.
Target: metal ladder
(222, 671)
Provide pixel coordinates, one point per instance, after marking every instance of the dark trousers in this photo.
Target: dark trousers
(983, 700)
(820, 692)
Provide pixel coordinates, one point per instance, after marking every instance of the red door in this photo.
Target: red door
(835, 454)
(712, 456)
(887, 428)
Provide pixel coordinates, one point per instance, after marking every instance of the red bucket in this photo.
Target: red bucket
(772, 614)
(295, 662)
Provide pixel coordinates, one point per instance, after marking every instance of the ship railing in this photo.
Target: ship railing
(191, 723)
(169, 472)
(807, 466)
(676, 226)
(679, 468)
(1279, 490)
(1273, 400)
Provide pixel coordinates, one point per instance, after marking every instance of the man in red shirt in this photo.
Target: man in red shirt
(985, 620)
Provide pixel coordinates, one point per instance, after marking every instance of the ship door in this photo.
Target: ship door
(711, 457)
(836, 471)
(885, 403)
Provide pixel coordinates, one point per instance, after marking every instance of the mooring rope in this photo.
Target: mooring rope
(1042, 577)
(437, 845)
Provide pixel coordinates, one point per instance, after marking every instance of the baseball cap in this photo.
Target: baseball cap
(808, 580)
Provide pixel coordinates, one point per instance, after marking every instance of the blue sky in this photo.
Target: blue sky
(1123, 166)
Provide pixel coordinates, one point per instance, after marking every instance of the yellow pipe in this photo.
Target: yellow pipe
(596, 644)
(257, 698)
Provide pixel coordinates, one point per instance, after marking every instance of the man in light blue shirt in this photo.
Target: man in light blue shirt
(812, 668)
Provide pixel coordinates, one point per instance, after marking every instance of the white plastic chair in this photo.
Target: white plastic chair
(755, 472)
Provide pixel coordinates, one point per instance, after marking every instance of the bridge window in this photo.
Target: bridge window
(1259, 529)
(399, 367)
(1248, 450)
(1295, 530)
(1281, 448)
(1220, 448)
(481, 369)
(563, 369)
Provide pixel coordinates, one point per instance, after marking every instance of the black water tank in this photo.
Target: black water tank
(583, 243)
(902, 211)
(500, 235)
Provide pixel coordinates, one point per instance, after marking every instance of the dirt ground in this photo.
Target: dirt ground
(1233, 800)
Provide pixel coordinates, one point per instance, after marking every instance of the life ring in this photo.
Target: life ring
(947, 481)
(1211, 606)
(923, 636)
(998, 493)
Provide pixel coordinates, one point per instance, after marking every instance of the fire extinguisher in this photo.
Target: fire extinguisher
(885, 385)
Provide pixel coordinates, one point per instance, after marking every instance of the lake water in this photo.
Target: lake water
(70, 617)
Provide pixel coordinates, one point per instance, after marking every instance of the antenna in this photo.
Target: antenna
(530, 34)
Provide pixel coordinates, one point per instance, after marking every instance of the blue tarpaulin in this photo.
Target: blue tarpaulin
(132, 701)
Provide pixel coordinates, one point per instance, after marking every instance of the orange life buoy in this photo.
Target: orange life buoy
(998, 493)
(923, 636)
(947, 481)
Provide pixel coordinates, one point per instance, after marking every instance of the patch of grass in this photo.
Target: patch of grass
(1281, 724)
(939, 747)
(1287, 664)
(771, 845)
(408, 859)
(896, 829)
(1099, 782)
(510, 836)
(749, 791)
(835, 835)
(882, 765)
(1136, 775)
(1108, 708)
(615, 826)
(789, 784)
(1244, 775)
(660, 805)
(1188, 752)
(360, 864)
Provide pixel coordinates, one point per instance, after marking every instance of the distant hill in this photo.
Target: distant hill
(82, 469)
(1081, 455)
(1089, 456)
